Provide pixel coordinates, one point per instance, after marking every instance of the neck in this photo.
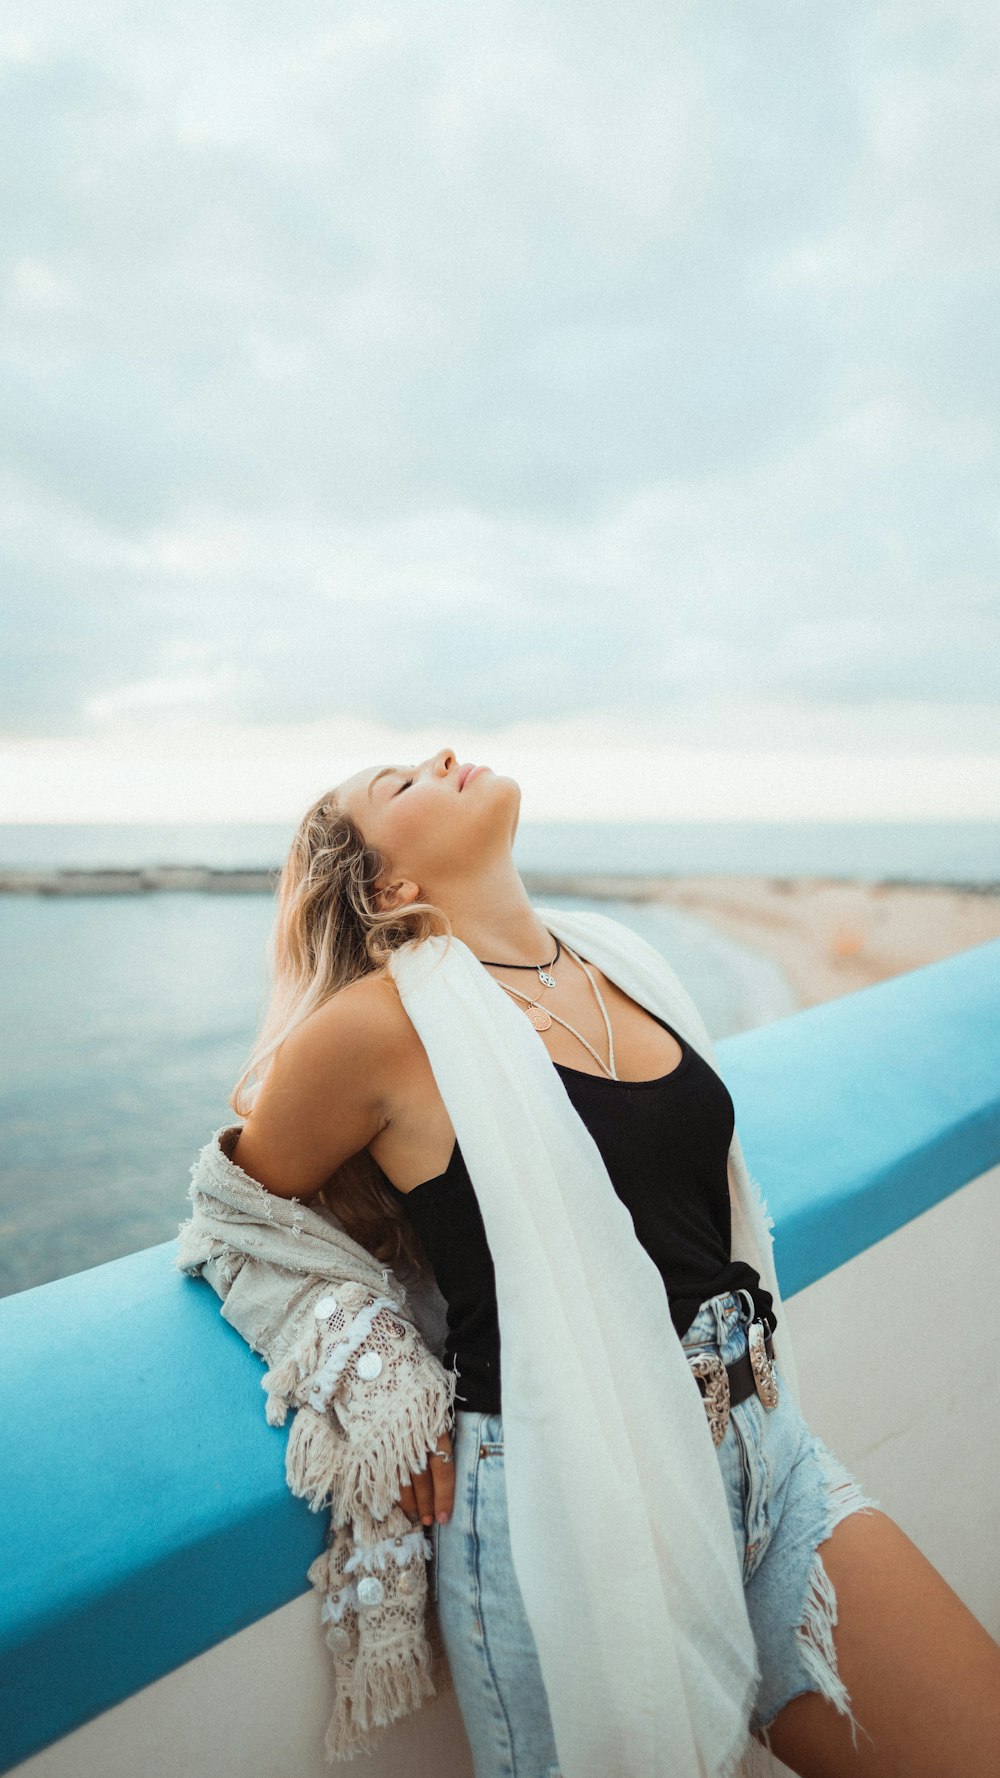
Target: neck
(495, 918)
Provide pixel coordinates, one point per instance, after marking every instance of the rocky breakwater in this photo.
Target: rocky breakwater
(137, 881)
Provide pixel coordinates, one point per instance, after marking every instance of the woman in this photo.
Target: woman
(349, 1104)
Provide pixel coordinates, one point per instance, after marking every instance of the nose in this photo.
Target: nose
(445, 759)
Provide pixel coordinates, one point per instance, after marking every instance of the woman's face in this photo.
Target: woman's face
(433, 828)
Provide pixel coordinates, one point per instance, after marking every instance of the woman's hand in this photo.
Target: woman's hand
(430, 1492)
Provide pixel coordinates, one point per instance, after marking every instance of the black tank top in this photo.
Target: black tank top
(665, 1144)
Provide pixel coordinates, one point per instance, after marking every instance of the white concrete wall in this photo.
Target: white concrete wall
(899, 1375)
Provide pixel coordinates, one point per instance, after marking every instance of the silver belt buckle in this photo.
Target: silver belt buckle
(764, 1378)
(716, 1398)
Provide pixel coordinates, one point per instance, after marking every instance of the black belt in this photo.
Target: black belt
(723, 1385)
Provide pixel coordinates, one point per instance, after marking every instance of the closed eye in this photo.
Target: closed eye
(404, 786)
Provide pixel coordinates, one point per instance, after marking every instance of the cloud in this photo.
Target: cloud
(493, 366)
(34, 287)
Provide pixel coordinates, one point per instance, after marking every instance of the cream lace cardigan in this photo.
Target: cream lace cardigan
(619, 1525)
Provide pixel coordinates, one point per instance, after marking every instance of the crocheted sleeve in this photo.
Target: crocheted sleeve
(371, 1400)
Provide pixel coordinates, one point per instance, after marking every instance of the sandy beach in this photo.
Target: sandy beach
(829, 937)
(832, 938)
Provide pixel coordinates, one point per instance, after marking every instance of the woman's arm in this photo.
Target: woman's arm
(323, 1100)
(325, 1093)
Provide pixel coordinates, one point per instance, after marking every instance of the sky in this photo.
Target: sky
(608, 393)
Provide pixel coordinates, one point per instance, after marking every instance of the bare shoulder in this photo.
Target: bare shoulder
(327, 1089)
(368, 1012)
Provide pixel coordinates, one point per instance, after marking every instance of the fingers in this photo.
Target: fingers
(444, 1479)
(430, 1492)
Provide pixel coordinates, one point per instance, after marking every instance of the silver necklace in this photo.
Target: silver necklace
(547, 980)
(541, 1018)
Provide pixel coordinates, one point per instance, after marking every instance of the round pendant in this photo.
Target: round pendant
(548, 980)
(539, 1017)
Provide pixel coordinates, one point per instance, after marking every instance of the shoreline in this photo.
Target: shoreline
(828, 935)
(596, 885)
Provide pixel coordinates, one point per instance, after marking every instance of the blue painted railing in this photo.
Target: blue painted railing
(145, 1511)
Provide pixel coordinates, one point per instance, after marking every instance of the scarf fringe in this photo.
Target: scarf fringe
(386, 1683)
(313, 1459)
(324, 1468)
(753, 1762)
(749, 1759)
(280, 1384)
(318, 1572)
(757, 1193)
(375, 1471)
(390, 1682)
(345, 1738)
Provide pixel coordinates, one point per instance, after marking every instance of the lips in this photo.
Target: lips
(463, 776)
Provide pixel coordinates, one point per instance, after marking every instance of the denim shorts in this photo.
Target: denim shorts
(786, 1493)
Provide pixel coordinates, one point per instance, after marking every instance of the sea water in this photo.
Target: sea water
(128, 1018)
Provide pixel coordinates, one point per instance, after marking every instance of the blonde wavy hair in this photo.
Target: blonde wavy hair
(329, 932)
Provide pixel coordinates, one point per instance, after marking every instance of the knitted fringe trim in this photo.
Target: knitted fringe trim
(383, 1686)
(373, 1472)
(313, 1457)
(280, 1384)
(324, 1468)
(390, 1683)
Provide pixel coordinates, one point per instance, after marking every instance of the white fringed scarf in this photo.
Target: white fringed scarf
(619, 1526)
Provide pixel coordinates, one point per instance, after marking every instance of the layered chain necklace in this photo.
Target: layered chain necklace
(540, 1016)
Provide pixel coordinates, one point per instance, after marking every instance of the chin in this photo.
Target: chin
(502, 794)
(507, 788)
(512, 799)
